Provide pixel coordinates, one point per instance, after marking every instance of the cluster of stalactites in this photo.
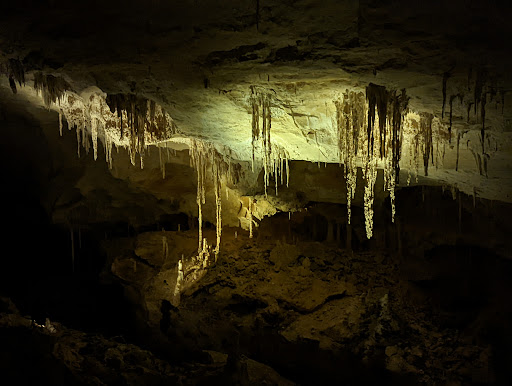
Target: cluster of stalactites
(75, 111)
(381, 112)
(261, 104)
(351, 120)
(203, 155)
(276, 165)
(482, 88)
(51, 88)
(421, 145)
(139, 119)
(274, 158)
(391, 108)
(164, 158)
(13, 69)
(122, 121)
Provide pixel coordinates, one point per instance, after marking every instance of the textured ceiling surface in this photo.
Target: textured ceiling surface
(202, 65)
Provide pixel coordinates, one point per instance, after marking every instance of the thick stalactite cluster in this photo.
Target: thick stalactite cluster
(51, 88)
(204, 155)
(207, 161)
(261, 105)
(274, 158)
(351, 121)
(138, 118)
(127, 121)
(482, 89)
(370, 131)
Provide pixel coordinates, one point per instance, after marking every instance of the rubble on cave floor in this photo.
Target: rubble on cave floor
(33, 354)
(311, 311)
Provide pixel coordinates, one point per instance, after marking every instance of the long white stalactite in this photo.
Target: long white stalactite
(370, 134)
(203, 155)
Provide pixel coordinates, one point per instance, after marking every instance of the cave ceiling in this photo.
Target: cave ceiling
(137, 73)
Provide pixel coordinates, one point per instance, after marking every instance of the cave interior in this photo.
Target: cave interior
(256, 192)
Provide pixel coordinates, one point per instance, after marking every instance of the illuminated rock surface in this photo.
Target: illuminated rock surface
(322, 187)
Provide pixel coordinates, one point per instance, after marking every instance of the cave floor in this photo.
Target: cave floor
(267, 312)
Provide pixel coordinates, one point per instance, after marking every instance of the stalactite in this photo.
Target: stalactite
(94, 136)
(470, 104)
(261, 105)
(12, 84)
(217, 183)
(481, 77)
(179, 282)
(350, 117)
(370, 176)
(273, 167)
(108, 148)
(197, 160)
(202, 155)
(399, 104)
(78, 140)
(377, 97)
(452, 97)
(256, 101)
(446, 76)
(426, 132)
(60, 123)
